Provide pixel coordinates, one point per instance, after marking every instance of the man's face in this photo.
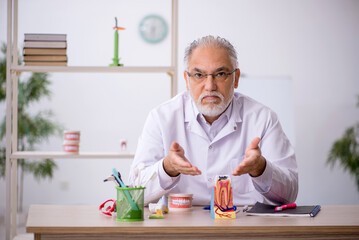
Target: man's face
(211, 96)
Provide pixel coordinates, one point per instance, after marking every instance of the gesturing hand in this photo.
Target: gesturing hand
(253, 163)
(175, 162)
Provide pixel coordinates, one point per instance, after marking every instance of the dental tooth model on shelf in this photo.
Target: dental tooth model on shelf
(71, 144)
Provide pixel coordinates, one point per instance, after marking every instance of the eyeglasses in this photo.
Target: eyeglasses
(199, 77)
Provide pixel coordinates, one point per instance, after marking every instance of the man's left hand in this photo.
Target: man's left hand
(253, 163)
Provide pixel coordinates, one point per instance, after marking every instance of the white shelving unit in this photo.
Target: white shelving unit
(12, 72)
(169, 70)
(37, 154)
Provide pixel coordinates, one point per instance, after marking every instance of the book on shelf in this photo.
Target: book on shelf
(44, 51)
(44, 58)
(45, 44)
(44, 37)
(46, 63)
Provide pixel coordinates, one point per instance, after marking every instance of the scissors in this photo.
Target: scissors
(108, 207)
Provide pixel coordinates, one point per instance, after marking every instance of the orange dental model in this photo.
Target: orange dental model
(222, 199)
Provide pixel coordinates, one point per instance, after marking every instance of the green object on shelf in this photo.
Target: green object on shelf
(115, 59)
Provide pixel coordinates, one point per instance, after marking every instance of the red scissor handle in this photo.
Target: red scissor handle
(109, 209)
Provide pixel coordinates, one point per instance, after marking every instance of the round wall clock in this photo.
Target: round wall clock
(153, 28)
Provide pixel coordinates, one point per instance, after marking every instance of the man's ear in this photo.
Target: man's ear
(186, 78)
(236, 80)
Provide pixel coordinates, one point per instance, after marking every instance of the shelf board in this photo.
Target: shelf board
(94, 69)
(38, 154)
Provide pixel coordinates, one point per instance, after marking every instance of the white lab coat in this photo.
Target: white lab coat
(175, 120)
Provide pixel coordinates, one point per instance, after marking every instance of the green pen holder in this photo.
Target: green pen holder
(126, 210)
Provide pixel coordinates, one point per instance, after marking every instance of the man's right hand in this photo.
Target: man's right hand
(175, 162)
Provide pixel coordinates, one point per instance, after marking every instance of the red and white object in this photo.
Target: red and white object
(123, 143)
(179, 202)
(71, 147)
(72, 135)
(71, 142)
(280, 208)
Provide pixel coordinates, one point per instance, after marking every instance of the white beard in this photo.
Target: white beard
(214, 109)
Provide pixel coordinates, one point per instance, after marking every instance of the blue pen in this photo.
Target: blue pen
(207, 208)
(127, 194)
(315, 211)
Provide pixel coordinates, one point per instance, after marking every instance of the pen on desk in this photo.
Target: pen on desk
(315, 211)
(280, 208)
(207, 208)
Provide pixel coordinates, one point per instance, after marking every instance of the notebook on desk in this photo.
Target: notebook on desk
(269, 210)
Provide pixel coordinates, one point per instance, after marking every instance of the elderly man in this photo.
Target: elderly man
(210, 130)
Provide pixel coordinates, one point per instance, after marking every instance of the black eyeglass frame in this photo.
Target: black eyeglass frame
(205, 75)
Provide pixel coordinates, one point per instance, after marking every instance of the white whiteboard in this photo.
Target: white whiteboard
(276, 93)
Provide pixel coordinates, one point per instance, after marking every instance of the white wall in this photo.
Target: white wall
(313, 43)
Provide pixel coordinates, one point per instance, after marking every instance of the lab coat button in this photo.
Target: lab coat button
(210, 147)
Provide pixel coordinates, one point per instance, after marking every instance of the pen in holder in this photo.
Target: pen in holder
(127, 194)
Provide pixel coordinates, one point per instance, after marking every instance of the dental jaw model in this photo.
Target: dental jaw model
(222, 199)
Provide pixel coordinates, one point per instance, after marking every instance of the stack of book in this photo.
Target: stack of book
(45, 49)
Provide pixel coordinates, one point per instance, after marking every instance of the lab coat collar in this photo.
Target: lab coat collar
(190, 117)
(231, 125)
(237, 103)
(191, 113)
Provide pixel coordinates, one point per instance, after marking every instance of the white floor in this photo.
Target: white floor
(21, 229)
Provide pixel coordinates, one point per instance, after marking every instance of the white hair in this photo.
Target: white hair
(211, 41)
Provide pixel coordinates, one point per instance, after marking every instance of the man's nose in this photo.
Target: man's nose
(210, 83)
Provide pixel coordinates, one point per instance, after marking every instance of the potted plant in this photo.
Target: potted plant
(32, 129)
(346, 151)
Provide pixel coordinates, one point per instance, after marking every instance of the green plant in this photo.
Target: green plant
(32, 129)
(346, 151)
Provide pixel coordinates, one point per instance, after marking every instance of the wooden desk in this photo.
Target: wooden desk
(86, 222)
